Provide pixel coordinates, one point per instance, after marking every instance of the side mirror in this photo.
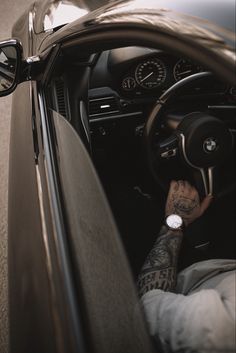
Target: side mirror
(10, 62)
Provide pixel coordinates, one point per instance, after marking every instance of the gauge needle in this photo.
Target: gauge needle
(185, 72)
(147, 76)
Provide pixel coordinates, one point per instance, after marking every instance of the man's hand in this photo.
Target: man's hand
(183, 199)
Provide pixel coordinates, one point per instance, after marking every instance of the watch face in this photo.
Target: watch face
(174, 221)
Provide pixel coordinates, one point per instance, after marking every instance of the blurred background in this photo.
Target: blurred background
(10, 10)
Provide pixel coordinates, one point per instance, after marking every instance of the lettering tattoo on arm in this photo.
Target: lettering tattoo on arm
(159, 270)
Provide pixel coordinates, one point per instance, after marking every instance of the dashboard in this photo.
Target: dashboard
(138, 71)
(126, 82)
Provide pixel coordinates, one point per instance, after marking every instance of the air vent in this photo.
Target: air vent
(103, 106)
(61, 102)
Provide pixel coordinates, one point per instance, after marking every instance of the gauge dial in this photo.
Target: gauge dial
(184, 68)
(128, 84)
(151, 73)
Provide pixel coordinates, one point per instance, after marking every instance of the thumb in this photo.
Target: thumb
(205, 203)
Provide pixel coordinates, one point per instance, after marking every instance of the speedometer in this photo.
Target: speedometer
(150, 73)
(184, 68)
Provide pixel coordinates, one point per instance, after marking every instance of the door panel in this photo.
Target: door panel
(105, 287)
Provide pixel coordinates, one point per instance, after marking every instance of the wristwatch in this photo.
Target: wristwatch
(174, 222)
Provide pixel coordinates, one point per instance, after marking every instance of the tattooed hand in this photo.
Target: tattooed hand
(183, 199)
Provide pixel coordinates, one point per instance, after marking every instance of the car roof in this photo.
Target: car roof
(51, 15)
(158, 15)
(221, 13)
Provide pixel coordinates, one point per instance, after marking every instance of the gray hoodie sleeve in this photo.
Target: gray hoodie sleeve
(203, 321)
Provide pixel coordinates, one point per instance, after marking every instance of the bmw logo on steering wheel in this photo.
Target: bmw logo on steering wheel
(210, 145)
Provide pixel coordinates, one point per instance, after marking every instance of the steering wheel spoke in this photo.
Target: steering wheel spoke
(168, 148)
(205, 180)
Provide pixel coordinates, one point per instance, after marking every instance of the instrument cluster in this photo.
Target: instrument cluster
(157, 73)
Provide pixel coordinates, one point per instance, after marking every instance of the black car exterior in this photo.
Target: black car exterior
(70, 285)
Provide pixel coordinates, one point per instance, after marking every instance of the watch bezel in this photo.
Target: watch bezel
(171, 226)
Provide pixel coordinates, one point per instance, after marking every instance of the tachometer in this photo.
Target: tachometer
(184, 68)
(150, 73)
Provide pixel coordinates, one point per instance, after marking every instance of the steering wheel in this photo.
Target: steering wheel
(198, 141)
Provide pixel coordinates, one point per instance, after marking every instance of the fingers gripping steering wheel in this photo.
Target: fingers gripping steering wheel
(201, 141)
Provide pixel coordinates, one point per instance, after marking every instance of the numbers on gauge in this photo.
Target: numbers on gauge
(150, 73)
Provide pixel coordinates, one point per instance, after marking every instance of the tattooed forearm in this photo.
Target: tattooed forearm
(159, 269)
(161, 279)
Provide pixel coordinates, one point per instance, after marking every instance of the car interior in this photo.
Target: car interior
(119, 89)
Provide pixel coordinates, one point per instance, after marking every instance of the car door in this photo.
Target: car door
(105, 291)
(70, 285)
